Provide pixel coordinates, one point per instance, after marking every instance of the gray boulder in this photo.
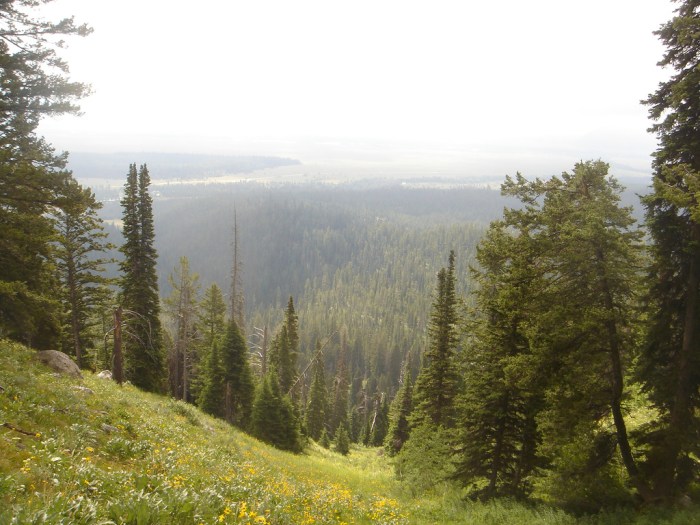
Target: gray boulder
(59, 362)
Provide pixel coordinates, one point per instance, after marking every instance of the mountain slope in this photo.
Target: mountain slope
(90, 451)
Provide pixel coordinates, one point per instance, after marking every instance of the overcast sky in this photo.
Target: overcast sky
(533, 78)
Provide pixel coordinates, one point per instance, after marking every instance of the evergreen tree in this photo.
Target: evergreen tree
(211, 327)
(213, 379)
(273, 418)
(84, 288)
(285, 350)
(35, 85)
(589, 248)
(438, 382)
(212, 315)
(502, 391)
(144, 358)
(339, 408)
(341, 443)
(318, 399)
(400, 412)
(670, 366)
(324, 440)
(547, 363)
(239, 387)
(181, 307)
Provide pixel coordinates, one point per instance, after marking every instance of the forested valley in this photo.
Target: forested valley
(535, 344)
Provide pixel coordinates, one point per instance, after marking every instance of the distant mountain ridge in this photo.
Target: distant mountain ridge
(112, 166)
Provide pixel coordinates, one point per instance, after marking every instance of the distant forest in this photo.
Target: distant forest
(363, 258)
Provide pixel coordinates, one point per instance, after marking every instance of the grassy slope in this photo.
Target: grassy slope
(118, 455)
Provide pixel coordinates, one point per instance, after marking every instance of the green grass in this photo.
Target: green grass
(123, 456)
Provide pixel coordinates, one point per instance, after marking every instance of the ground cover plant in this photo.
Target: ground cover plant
(89, 451)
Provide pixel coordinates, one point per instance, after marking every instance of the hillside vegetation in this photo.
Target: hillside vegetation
(89, 451)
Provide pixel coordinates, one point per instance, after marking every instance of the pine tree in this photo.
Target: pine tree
(324, 440)
(35, 85)
(318, 399)
(212, 395)
(239, 387)
(284, 351)
(400, 412)
(502, 393)
(273, 418)
(341, 443)
(558, 291)
(590, 248)
(670, 366)
(181, 307)
(211, 327)
(438, 382)
(144, 358)
(84, 287)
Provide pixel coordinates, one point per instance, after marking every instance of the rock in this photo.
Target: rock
(60, 362)
(684, 502)
(83, 389)
(105, 374)
(109, 428)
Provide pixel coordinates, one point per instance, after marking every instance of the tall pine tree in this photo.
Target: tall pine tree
(273, 419)
(211, 327)
(145, 363)
(35, 85)
(498, 437)
(437, 383)
(84, 287)
(671, 357)
(284, 351)
(238, 379)
(400, 412)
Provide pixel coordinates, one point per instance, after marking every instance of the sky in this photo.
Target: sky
(510, 83)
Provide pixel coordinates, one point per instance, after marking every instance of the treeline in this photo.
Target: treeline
(173, 166)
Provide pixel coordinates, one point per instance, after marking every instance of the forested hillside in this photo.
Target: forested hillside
(539, 343)
(360, 260)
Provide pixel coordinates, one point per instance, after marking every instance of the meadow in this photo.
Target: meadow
(91, 452)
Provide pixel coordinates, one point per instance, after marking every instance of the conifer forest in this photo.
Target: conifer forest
(537, 343)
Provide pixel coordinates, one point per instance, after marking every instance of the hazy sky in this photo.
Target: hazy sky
(532, 78)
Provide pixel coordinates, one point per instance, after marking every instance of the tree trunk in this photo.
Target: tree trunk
(228, 405)
(498, 450)
(616, 384)
(681, 410)
(117, 365)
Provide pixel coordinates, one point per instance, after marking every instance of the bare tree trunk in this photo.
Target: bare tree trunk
(118, 365)
(237, 297)
(263, 352)
(228, 413)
